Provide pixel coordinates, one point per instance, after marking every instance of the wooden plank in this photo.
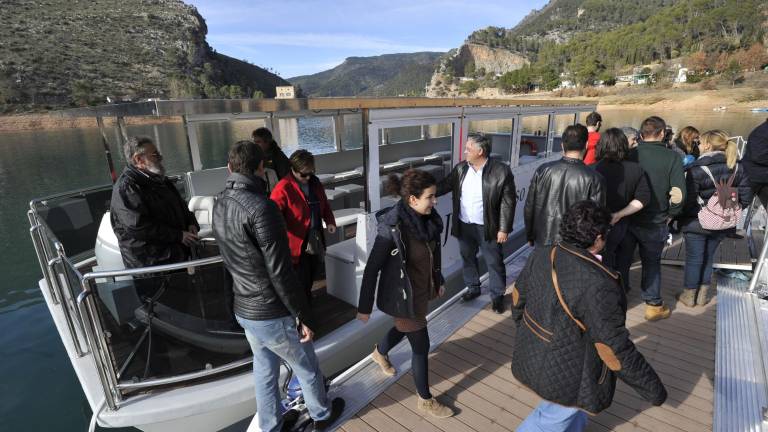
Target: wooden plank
(355, 424)
(380, 421)
(408, 399)
(403, 416)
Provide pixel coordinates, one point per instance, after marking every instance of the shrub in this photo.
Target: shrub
(709, 84)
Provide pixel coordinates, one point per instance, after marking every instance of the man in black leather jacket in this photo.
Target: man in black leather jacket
(151, 221)
(557, 185)
(268, 298)
(484, 199)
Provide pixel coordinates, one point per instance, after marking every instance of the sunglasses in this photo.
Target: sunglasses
(306, 174)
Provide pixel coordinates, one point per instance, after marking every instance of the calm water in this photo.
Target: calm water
(38, 388)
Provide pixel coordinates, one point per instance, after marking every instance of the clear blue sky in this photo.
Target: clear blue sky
(299, 37)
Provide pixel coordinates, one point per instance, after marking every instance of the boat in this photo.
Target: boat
(720, 108)
(765, 109)
(157, 348)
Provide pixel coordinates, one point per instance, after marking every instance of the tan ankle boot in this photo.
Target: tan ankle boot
(702, 297)
(434, 408)
(688, 297)
(383, 361)
(655, 313)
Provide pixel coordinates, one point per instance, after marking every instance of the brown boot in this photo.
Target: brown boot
(434, 408)
(702, 297)
(383, 361)
(655, 313)
(688, 297)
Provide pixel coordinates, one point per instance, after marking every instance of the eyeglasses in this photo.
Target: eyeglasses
(155, 155)
(306, 174)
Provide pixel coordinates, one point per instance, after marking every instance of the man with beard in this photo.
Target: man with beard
(150, 219)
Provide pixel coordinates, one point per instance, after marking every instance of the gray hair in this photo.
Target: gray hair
(629, 132)
(135, 145)
(481, 140)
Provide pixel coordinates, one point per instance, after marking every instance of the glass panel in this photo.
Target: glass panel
(402, 134)
(439, 130)
(310, 133)
(533, 138)
(500, 132)
(170, 139)
(353, 132)
(169, 324)
(215, 138)
(561, 122)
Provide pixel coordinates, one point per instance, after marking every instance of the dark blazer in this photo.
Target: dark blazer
(499, 197)
(251, 235)
(387, 265)
(148, 216)
(572, 343)
(756, 155)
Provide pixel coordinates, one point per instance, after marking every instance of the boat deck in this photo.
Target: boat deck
(733, 254)
(470, 371)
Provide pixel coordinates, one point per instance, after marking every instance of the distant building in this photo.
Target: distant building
(285, 92)
(682, 75)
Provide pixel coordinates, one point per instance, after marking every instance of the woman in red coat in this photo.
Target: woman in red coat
(302, 201)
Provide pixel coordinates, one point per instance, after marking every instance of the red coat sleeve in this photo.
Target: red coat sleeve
(325, 206)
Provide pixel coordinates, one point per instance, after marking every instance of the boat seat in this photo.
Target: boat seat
(355, 195)
(335, 198)
(202, 208)
(208, 182)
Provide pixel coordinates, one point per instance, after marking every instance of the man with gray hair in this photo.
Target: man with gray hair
(484, 199)
(632, 135)
(150, 219)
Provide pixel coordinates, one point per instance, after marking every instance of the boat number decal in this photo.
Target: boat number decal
(447, 228)
(521, 195)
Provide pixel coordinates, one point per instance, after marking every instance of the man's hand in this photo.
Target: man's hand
(192, 229)
(501, 237)
(530, 243)
(615, 218)
(306, 333)
(363, 317)
(331, 229)
(188, 238)
(441, 291)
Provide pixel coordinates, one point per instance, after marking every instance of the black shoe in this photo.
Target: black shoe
(289, 420)
(337, 407)
(498, 305)
(470, 295)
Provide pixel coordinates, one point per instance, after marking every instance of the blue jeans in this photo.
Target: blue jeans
(551, 417)
(699, 257)
(651, 240)
(471, 239)
(272, 340)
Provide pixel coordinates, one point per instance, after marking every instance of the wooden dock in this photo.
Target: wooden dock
(471, 372)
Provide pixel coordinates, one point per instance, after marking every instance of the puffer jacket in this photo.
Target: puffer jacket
(572, 343)
(251, 235)
(698, 184)
(148, 216)
(554, 188)
(387, 265)
(499, 197)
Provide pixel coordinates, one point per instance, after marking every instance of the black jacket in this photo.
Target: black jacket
(499, 197)
(624, 181)
(698, 184)
(756, 155)
(278, 161)
(251, 235)
(148, 216)
(387, 264)
(571, 343)
(555, 187)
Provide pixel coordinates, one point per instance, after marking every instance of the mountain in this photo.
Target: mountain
(384, 75)
(60, 53)
(589, 40)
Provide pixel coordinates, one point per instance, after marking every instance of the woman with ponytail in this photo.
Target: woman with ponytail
(403, 274)
(719, 157)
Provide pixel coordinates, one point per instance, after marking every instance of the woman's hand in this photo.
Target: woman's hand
(331, 229)
(615, 218)
(441, 291)
(363, 317)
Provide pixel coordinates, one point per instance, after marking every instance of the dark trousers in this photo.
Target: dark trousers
(306, 270)
(761, 192)
(699, 257)
(651, 240)
(613, 244)
(471, 240)
(419, 341)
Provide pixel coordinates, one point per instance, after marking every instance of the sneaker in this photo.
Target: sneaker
(470, 295)
(498, 304)
(337, 407)
(289, 420)
(655, 313)
(687, 297)
(383, 361)
(434, 408)
(702, 297)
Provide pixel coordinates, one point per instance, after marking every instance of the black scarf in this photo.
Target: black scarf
(423, 227)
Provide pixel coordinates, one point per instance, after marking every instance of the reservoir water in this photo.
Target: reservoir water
(38, 388)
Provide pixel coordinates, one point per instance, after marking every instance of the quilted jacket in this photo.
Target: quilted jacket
(571, 342)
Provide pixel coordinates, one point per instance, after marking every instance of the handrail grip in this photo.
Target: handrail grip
(153, 269)
(186, 377)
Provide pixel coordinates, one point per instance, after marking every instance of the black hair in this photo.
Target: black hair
(652, 126)
(135, 145)
(245, 157)
(481, 140)
(302, 160)
(575, 138)
(594, 118)
(583, 222)
(613, 145)
(413, 182)
(264, 134)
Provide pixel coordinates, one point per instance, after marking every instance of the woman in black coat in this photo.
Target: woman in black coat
(405, 260)
(720, 156)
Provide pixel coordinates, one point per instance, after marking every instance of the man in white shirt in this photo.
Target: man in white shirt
(484, 200)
